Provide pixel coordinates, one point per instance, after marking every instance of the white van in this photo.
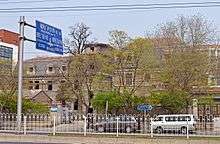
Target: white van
(174, 123)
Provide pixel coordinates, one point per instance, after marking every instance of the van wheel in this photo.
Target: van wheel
(159, 130)
(183, 130)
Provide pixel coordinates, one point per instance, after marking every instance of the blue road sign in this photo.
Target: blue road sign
(48, 38)
(144, 107)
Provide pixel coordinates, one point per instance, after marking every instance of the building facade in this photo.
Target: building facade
(43, 76)
(9, 42)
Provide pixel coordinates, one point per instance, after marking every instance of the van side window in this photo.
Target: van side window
(171, 119)
(184, 118)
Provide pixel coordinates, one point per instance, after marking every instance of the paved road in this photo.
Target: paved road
(24, 143)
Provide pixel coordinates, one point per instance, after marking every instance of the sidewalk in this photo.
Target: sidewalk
(100, 140)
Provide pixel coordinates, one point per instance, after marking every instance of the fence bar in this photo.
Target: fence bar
(151, 128)
(187, 128)
(25, 125)
(54, 124)
(117, 119)
(85, 124)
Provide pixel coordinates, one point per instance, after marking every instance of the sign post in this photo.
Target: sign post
(144, 108)
(20, 71)
(48, 38)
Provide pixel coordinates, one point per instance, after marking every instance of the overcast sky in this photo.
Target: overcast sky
(135, 22)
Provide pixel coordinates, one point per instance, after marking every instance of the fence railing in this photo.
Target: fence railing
(104, 124)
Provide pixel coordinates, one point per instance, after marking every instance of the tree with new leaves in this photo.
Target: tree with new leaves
(138, 60)
(80, 82)
(186, 63)
(8, 92)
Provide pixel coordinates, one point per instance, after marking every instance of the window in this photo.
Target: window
(6, 52)
(171, 119)
(37, 86)
(36, 81)
(50, 85)
(76, 105)
(31, 69)
(184, 118)
(64, 68)
(50, 69)
(128, 79)
(92, 49)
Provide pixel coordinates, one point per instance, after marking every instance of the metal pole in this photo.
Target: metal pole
(85, 124)
(20, 71)
(25, 125)
(151, 128)
(54, 124)
(187, 127)
(117, 126)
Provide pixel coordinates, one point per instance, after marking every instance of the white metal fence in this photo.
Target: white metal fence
(101, 124)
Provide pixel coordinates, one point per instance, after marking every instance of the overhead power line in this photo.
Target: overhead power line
(29, 1)
(38, 10)
(114, 6)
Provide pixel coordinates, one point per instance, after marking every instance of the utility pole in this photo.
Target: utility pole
(20, 71)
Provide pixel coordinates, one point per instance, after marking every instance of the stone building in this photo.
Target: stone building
(43, 76)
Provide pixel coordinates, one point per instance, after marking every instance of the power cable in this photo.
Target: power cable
(108, 9)
(113, 6)
(34, 1)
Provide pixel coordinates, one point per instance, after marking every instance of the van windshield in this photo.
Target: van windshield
(158, 119)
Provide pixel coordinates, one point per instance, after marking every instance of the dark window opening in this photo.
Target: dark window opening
(50, 85)
(92, 49)
(36, 81)
(37, 86)
(31, 69)
(76, 105)
(64, 68)
(50, 69)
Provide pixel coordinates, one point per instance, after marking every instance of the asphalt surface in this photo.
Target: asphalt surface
(25, 143)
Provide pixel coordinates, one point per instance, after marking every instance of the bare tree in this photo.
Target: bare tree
(118, 39)
(185, 32)
(78, 38)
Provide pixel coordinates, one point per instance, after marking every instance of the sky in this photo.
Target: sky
(134, 22)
